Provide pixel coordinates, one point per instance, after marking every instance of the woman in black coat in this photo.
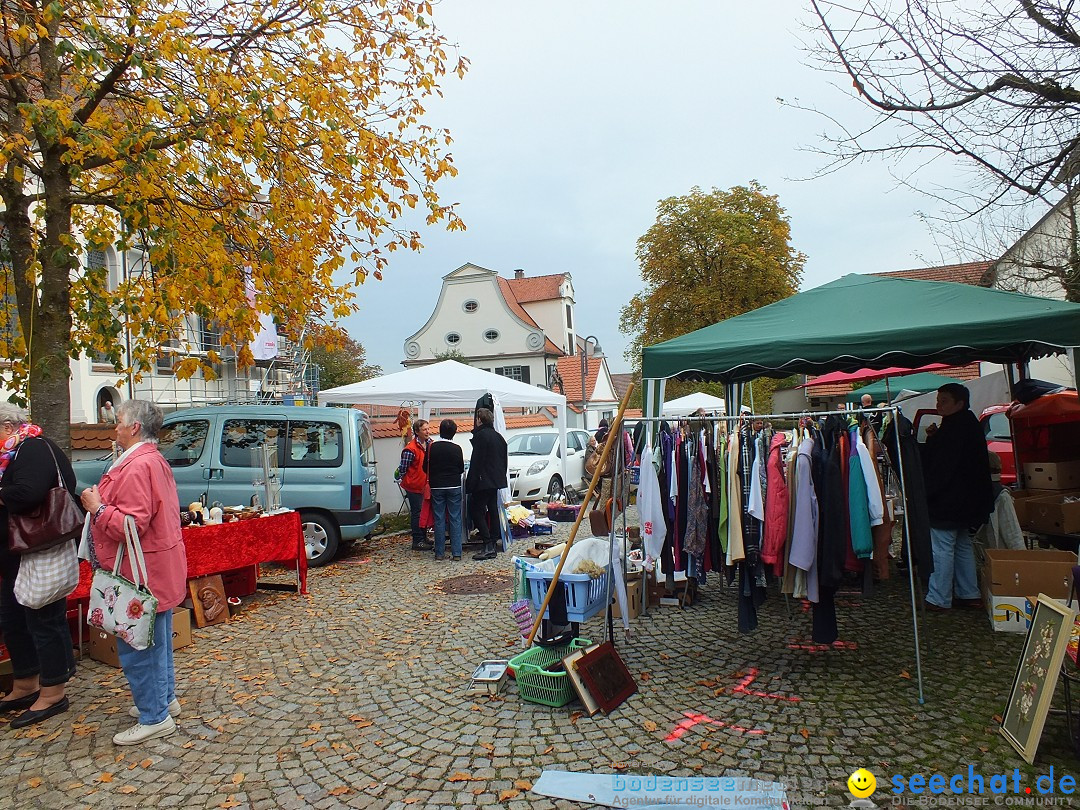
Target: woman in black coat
(487, 475)
(38, 640)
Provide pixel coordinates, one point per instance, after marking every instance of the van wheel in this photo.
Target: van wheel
(320, 538)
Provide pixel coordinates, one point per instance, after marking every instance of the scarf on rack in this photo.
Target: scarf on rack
(11, 443)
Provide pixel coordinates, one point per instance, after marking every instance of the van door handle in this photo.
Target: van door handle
(212, 474)
(330, 475)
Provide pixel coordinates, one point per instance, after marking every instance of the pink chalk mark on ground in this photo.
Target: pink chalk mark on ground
(749, 678)
(693, 719)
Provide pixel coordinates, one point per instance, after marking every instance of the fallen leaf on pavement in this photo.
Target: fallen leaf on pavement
(997, 718)
(460, 777)
(127, 789)
(523, 784)
(35, 782)
(230, 802)
(549, 749)
(411, 800)
(805, 733)
(340, 789)
(905, 674)
(105, 777)
(507, 795)
(146, 763)
(649, 725)
(237, 778)
(619, 766)
(575, 717)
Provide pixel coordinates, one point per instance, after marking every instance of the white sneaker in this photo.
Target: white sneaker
(139, 733)
(174, 710)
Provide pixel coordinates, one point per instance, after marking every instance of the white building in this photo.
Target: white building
(515, 327)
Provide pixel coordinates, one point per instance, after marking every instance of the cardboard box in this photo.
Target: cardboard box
(1052, 474)
(1021, 497)
(1052, 515)
(103, 645)
(633, 601)
(1021, 573)
(1008, 614)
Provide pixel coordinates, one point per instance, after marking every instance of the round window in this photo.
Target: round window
(453, 338)
(471, 305)
(491, 335)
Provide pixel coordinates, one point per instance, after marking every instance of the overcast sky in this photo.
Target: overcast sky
(577, 117)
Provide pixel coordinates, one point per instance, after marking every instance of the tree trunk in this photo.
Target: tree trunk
(50, 340)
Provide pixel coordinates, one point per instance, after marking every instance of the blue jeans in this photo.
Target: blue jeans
(954, 567)
(150, 672)
(443, 501)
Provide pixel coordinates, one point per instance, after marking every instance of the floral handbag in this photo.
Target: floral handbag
(119, 606)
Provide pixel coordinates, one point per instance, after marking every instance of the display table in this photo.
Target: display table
(228, 546)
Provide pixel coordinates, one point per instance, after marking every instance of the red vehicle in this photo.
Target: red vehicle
(997, 427)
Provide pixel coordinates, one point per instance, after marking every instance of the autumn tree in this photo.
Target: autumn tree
(987, 85)
(341, 360)
(261, 157)
(708, 257)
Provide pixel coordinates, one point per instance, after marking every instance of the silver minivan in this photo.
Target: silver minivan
(325, 459)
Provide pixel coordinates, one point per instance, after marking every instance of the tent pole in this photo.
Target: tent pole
(910, 555)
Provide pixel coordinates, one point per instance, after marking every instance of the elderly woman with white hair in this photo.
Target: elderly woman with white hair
(38, 640)
(140, 484)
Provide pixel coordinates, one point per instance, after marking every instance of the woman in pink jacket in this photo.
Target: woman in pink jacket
(140, 484)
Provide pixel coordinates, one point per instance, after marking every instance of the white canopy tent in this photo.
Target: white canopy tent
(685, 406)
(449, 384)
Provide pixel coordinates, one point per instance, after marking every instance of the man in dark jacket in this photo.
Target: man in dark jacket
(487, 475)
(959, 497)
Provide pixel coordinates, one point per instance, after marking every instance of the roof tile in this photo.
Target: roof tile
(974, 273)
(536, 288)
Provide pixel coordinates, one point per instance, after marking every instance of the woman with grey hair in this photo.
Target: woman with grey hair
(38, 639)
(140, 484)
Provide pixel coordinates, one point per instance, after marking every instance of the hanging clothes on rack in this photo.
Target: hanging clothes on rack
(903, 451)
(776, 504)
(882, 532)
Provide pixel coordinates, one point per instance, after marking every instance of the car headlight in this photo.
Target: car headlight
(536, 467)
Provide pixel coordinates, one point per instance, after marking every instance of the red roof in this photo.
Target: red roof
(570, 371)
(86, 436)
(508, 293)
(536, 288)
(974, 273)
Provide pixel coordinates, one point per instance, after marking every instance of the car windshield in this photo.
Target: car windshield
(531, 444)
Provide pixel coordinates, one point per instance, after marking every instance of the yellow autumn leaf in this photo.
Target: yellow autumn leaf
(35, 782)
(105, 777)
(507, 795)
(649, 725)
(238, 778)
(523, 784)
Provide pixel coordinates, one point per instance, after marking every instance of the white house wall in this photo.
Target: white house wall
(551, 317)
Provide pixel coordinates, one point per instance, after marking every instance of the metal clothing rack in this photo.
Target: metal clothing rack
(894, 411)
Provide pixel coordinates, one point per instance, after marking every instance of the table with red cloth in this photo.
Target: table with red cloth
(229, 546)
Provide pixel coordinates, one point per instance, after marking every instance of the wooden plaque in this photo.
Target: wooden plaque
(570, 662)
(208, 600)
(606, 676)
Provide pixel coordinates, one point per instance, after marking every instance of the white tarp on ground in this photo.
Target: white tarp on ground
(684, 406)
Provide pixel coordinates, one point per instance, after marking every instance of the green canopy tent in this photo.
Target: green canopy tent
(885, 389)
(861, 322)
(869, 322)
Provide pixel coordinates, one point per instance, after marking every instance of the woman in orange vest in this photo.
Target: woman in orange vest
(410, 474)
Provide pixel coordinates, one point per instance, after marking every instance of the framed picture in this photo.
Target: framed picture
(208, 600)
(606, 676)
(584, 695)
(1037, 675)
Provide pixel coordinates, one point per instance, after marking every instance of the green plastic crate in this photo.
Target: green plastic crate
(538, 686)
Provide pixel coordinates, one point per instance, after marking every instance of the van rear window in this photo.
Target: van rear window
(182, 443)
(314, 444)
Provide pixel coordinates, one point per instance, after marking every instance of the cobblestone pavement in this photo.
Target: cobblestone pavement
(357, 697)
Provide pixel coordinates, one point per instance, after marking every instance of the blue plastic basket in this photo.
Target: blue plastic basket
(584, 595)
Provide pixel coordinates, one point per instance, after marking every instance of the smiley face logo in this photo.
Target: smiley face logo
(862, 784)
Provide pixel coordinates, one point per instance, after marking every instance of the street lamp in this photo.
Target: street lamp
(584, 373)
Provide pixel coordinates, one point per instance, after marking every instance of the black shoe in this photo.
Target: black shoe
(423, 546)
(457, 558)
(440, 557)
(30, 716)
(488, 552)
(24, 702)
